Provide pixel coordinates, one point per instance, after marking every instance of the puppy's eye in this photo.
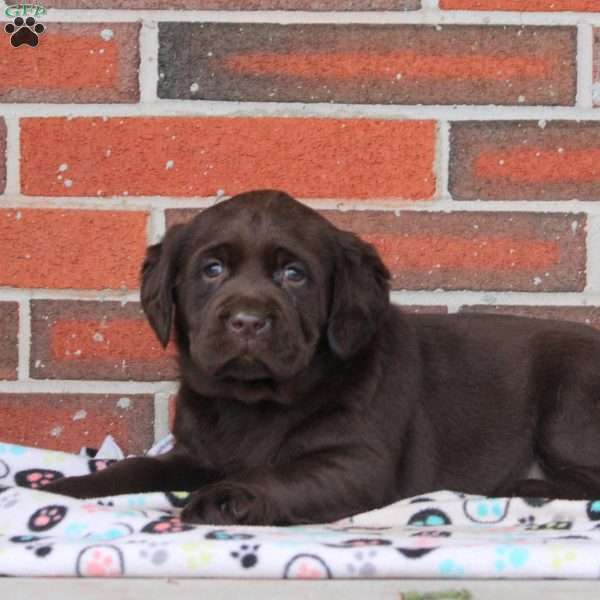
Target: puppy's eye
(294, 274)
(213, 269)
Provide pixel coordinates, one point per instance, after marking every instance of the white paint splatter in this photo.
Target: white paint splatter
(521, 99)
(56, 431)
(537, 281)
(194, 87)
(124, 403)
(107, 34)
(62, 168)
(542, 123)
(169, 164)
(79, 415)
(68, 183)
(98, 337)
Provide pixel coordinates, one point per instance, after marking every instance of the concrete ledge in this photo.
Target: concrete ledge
(221, 589)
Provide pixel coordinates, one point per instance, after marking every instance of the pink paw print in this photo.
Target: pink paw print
(166, 524)
(36, 478)
(100, 561)
(47, 517)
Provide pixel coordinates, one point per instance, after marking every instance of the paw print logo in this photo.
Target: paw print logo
(247, 555)
(24, 31)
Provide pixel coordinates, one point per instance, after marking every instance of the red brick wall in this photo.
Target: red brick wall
(459, 136)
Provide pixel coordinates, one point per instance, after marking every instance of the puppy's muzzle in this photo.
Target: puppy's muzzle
(248, 325)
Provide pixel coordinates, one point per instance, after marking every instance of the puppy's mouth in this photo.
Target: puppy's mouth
(245, 367)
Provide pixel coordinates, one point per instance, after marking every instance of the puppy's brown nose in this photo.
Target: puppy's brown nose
(248, 324)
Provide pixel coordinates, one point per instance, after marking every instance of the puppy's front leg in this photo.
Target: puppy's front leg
(169, 472)
(319, 488)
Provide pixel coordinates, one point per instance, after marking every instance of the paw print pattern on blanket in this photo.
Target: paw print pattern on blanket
(450, 568)
(100, 561)
(306, 566)
(430, 517)
(362, 567)
(247, 555)
(47, 517)
(167, 524)
(510, 557)
(224, 535)
(39, 545)
(36, 478)
(593, 510)
(99, 464)
(486, 510)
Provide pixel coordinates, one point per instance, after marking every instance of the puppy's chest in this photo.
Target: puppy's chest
(233, 440)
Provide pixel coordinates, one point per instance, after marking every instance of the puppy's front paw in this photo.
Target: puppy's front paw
(225, 503)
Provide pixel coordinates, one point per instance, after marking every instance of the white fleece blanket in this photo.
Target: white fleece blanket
(443, 535)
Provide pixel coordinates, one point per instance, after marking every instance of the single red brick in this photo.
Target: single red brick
(309, 157)
(588, 315)
(523, 5)
(82, 249)
(479, 251)
(368, 64)
(9, 344)
(74, 62)
(241, 4)
(67, 422)
(527, 160)
(96, 340)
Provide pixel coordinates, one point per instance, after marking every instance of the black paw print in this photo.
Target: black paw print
(247, 555)
(37, 544)
(36, 478)
(527, 521)
(24, 31)
(166, 524)
(47, 517)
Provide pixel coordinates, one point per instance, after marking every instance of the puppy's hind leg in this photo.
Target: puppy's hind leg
(568, 444)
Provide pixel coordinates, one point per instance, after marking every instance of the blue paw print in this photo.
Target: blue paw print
(76, 530)
(12, 449)
(449, 568)
(510, 556)
(490, 510)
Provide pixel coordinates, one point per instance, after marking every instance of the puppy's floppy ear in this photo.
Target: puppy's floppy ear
(360, 295)
(158, 275)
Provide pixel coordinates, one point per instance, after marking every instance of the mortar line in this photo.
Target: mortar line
(430, 15)
(24, 339)
(54, 386)
(161, 415)
(154, 205)
(443, 160)
(585, 59)
(148, 71)
(309, 110)
(13, 154)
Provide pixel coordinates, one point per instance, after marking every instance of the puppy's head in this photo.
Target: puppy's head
(259, 284)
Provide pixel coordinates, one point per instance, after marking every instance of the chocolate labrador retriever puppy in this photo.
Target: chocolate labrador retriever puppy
(306, 397)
